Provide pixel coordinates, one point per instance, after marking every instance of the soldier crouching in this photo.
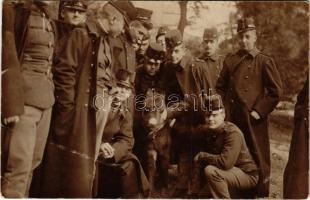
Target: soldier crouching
(224, 158)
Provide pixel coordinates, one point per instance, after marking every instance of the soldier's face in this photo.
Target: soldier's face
(210, 46)
(151, 67)
(161, 40)
(122, 94)
(177, 54)
(116, 26)
(247, 40)
(214, 119)
(142, 46)
(73, 16)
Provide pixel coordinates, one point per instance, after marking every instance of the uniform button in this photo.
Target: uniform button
(87, 91)
(92, 65)
(246, 77)
(231, 89)
(305, 119)
(232, 101)
(85, 105)
(93, 52)
(249, 66)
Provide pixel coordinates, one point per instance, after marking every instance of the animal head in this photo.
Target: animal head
(154, 113)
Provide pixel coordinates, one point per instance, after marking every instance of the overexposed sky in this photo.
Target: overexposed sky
(168, 13)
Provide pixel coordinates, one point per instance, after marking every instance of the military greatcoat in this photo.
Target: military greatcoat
(251, 81)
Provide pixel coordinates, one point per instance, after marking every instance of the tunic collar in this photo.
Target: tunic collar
(213, 57)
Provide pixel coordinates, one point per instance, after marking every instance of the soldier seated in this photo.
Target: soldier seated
(119, 172)
(223, 155)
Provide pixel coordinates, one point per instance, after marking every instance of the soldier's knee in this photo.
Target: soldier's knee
(211, 173)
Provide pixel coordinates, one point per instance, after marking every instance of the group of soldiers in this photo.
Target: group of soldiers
(69, 121)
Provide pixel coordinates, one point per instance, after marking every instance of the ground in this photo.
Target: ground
(280, 137)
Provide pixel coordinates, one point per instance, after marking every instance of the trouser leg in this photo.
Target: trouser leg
(26, 146)
(219, 181)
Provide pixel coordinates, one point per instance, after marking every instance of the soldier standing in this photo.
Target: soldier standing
(185, 80)
(142, 41)
(296, 174)
(160, 36)
(29, 42)
(149, 75)
(251, 87)
(148, 78)
(84, 86)
(210, 56)
(71, 15)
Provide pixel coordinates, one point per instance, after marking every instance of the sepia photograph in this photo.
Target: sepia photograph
(119, 99)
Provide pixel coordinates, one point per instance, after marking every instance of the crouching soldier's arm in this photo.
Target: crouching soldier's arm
(123, 141)
(229, 155)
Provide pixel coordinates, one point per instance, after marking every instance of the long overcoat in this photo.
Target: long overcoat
(251, 81)
(296, 174)
(69, 165)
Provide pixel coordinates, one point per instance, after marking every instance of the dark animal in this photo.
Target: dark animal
(156, 139)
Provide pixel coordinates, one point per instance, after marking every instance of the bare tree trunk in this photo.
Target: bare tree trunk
(183, 16)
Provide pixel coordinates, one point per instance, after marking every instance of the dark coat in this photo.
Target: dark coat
(27, 88)
(296, 174)
(192, 77)
(215, 64)
(118, 132)
(251, 83)
(12, 94)
(70, 157)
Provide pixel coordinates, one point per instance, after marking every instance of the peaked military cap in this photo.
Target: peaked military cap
(145, 15)
(173, 38)
(123, 78)
(213, 103)
(210, 34)
(126, 8)
(245, 24)
(155, 53)
(75, 4)
(162, 31)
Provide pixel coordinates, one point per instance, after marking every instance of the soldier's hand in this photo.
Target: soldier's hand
(107, 150)
(255, 115)
(200, 156)
(13, 119)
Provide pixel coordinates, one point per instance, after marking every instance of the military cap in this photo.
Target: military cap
(126, 8)
(173, 38)
(145, 15)
(245, 24)
(123, 78)
(213, 103)
(75, 4)
(210, 34)
(162, 31)
(155, 53)
(138, 32)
